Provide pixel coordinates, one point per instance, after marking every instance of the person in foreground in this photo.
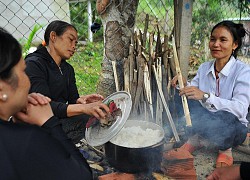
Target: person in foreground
(32, 142)
(219, 96)
(52, 76)
(236, 172)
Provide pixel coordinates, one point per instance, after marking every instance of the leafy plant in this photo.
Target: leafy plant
(27, 44)
(87, 66)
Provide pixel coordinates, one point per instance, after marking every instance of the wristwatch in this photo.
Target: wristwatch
(205, 97)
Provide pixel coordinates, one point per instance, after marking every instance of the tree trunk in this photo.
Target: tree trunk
(118, 19)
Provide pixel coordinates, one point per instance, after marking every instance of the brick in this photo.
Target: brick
(117, 176)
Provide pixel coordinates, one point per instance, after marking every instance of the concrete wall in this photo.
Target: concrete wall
(20, 16)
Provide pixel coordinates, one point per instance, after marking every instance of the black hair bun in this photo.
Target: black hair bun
(241, 30)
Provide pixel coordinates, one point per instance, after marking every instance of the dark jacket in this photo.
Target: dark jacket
(244, 170)
(47, 78)
(32, 152)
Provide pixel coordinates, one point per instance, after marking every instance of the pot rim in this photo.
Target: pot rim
(130, 123)
(146, 147)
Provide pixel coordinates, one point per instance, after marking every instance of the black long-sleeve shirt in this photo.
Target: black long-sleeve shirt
(49, 79)
(32, 152)
(245, 170)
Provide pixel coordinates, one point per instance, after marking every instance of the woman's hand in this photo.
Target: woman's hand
(192, 92)
(89, 98)
(97, 109)
(37, 112)
(174, 81)
(37, 98)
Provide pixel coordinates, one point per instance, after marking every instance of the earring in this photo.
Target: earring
(4, 97)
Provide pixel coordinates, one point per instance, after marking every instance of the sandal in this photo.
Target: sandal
(224, 160)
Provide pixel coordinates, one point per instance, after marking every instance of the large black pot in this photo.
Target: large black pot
(135, 160)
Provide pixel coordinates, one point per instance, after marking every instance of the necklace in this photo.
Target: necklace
(216, 69)
(216, 72)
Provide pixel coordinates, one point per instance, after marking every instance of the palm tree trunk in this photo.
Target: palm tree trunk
(118, 19)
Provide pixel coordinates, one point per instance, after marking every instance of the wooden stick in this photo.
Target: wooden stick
(181, 84)
(166, 106)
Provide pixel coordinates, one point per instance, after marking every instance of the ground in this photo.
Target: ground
(204, 161)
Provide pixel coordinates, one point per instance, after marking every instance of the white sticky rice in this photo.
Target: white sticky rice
(136, 137)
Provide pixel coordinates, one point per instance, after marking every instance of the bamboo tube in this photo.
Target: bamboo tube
(165, 67)
(171, 63)
(151, 58)
(165, 52)
(159, 101)
(145, 31)
(126, 75)
(131, 59)
(158, 48)
(169, 80)
(140, 62)
(115, 75)
(134, 85)
(181, 84)
(147, 86)
(166, 107)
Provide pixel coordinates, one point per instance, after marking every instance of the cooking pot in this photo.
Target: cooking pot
(134, 160)
(127, 159)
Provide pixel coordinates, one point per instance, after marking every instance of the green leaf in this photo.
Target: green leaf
(27, 45)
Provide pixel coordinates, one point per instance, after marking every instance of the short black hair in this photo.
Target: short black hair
(57, 26)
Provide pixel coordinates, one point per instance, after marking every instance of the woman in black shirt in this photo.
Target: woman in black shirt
(52, 76)
(32, 142)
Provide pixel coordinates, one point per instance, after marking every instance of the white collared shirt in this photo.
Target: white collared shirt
(233, 92)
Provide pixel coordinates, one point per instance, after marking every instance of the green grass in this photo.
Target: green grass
(87, 65)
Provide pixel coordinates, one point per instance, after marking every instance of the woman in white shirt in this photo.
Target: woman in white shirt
(219, 95)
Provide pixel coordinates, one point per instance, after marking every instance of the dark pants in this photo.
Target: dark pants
(221, 127)
(75, 127)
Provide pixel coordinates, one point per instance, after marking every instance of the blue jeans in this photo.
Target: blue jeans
(222, 128)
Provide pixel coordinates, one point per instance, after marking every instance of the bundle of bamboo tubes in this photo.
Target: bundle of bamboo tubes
(147, 71)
